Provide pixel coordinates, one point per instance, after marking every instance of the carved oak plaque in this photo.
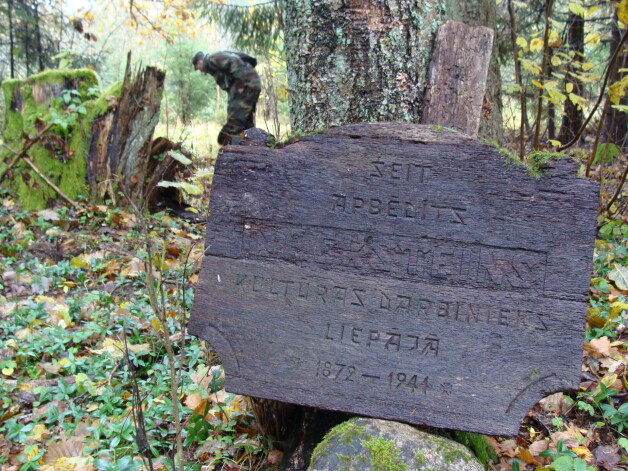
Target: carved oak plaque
(397, 271)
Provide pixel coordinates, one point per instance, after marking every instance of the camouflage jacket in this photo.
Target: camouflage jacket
(228, 68)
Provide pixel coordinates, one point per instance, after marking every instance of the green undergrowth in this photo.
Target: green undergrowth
(72, 294)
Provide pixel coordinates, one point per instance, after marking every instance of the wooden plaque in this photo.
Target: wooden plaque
(397, 271)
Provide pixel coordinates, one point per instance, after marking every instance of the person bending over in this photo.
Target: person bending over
(235, 73)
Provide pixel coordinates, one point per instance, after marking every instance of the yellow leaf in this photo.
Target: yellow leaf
(582, 452)
(618, 89)
(39, 432)
(556, 61)
(531, 66)
(555, 143)
(537, 44)
(587, 66)
(522, 43)
(592, 38)
(616, 309)
(79, 262)
(622, 11)
(577, 9)
(553, 36)
(577, 100)
(156, 325)
(591, 11)
(569, 87)
(537, 84)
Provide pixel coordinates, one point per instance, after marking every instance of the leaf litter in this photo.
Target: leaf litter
(73, 301)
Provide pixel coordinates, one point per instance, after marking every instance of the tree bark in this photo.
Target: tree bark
(616, 122)
(572, 116)
(357, 61)
(120, 150)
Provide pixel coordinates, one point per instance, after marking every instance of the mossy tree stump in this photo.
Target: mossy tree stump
(103, 152)
(27, 102)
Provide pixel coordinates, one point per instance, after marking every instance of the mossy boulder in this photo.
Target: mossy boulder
(27, 103)
(380, 445)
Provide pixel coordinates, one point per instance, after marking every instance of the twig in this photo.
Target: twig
(599, 98)
(522, 95)
(52, 185)
(595, 143)
(161, 317)
(27, 145)
(539, 105)
(619, 187)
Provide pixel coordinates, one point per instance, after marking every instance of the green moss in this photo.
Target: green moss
(346, 431)
(535, 162)
(70, 175)
(383, 454)
(479, 446)
(419, 458)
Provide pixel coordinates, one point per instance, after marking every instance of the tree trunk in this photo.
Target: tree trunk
(572, 116)
(40, 51)
(120, 152)
(367, 61)
(11, 39)
(616, 122)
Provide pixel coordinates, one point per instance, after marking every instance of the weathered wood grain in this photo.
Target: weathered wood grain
(457, 77)
(397, 271)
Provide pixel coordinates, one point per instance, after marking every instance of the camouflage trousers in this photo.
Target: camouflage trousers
(240, 113)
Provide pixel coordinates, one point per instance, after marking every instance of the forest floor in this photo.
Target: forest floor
(81, 345)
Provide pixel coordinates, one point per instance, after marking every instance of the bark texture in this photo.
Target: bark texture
(617, 122)
(457, 81)
(572, 116)
(120, 150)
(354, 61)
(484, 13)
(358, 61)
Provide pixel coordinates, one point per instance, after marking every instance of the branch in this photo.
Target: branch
(25, 148)
(599, 99)
(50, 184)
(539, 105)
(619, 187)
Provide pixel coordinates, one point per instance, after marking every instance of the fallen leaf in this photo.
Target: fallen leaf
(526, 456)
(583, 452)
(601, 346)
(274, 457)
(607, 456)
(619, 275)
(539, 446)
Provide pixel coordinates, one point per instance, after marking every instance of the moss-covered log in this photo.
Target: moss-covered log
(27, 103)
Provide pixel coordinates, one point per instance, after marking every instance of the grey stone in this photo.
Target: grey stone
(379, 445)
